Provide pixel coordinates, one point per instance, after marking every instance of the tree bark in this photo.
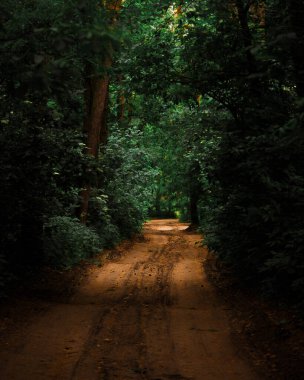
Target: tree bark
(103, 137)
(194, 198)
(94, 124)
(194, 194)
(96, 100)
(122, 103)
(246, 33)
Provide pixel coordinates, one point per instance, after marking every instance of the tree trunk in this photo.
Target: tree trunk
(122, 103)
(194, 194)
(194, 198)
(157, 204)
(96, 99)
(103, 137)
(246, 33)
(121, 100)
(96, 119)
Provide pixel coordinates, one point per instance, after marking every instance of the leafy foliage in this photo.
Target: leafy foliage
(67, 241)
(229, 135)
(45, 50)
(121, 201)
(255, 182)
(204, 118)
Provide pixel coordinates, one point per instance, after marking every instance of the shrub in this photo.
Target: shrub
(67, 241)
(101, 220)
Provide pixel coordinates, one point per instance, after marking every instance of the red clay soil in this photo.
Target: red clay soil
(270, 334)
(148, 313)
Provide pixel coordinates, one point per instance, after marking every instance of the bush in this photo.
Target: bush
(101, 220)
(120, 206)
(67, 241)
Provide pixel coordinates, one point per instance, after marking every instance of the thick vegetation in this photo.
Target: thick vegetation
(111, 110)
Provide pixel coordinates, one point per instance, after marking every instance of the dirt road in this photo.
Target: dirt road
(148, 314)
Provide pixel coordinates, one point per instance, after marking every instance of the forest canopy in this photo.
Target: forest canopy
(116, 111)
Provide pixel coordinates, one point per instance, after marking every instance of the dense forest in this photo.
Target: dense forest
(116, 111)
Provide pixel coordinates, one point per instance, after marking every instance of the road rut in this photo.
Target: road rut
(148, 314)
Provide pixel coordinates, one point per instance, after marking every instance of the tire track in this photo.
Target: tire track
(147, 314)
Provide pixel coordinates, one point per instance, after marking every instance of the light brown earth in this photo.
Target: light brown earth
(148, 314)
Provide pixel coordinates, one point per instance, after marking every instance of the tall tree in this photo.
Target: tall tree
(96, 97)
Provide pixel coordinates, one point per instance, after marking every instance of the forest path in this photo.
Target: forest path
(149, 314)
